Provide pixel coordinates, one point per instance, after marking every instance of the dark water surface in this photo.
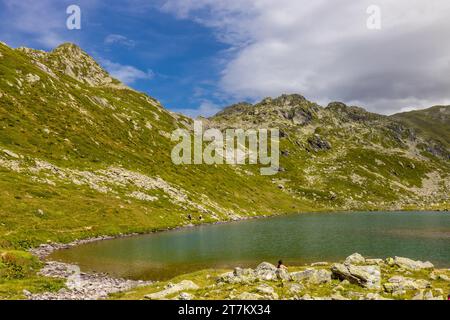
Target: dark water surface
(297, 239)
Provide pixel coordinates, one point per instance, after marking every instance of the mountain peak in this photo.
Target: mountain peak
(76, 63)
(71, 60)
(68, 46)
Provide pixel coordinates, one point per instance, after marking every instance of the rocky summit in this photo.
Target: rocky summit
(84, 156)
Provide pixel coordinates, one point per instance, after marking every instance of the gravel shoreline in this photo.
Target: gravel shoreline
(79, 285)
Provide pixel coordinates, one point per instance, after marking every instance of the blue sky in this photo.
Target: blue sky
(197, 56)
(175, 60)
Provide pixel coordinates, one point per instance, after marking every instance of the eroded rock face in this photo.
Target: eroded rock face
(318, 143)
(365, 276)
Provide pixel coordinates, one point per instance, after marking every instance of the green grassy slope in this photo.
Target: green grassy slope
(72, 155)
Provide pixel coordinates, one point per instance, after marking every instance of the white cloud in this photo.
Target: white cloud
(119, 39)
(324, 50)
(206, 109)
(126, 74)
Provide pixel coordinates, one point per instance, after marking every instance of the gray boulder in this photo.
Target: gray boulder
(266, 271)
(185, 296)
(267, 291)
(295, 288)
(398, 285)
(365, 276)
(411, 265)
(312, 276)
(355, 259)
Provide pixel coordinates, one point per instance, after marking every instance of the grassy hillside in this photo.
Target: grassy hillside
(82, 155)
(80, 160)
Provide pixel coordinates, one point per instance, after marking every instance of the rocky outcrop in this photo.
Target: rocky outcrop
(80, 285)
(399, 285)
(366, 276)
(318, 143)
(312, 276)
(410, 264)
(266, 271)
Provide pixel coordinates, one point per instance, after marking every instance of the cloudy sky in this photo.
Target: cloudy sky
(197, 56)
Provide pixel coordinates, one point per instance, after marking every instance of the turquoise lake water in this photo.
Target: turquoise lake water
(297, 239)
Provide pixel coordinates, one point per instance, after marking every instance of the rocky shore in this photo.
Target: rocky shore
(80, 285)
(356, 278)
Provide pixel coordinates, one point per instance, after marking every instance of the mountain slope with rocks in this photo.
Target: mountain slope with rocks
(347, 157)
(433, 122)
(82, 156)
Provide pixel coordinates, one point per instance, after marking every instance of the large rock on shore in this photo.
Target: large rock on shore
(312, 276)
(409, 264)
(365, 276)
(266, 271)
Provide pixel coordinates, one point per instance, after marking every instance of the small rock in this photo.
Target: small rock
(295, 288)
(185, 296)
(27, 293)
(267, 290)
(377, 262)
(418, 296)
(444, 277)
(428, 295)
(355, 259)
